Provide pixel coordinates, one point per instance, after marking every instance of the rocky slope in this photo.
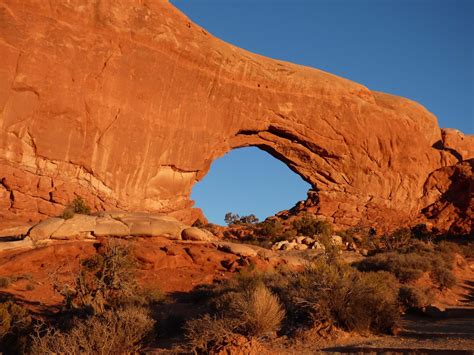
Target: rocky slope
(127, 104)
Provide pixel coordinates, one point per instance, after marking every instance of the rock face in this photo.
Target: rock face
(127, 104)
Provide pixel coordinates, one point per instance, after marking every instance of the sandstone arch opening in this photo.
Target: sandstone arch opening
(247, 181)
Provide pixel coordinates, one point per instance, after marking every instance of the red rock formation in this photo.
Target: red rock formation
(128, 103)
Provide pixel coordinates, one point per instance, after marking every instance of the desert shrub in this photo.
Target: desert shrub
(105, 279)
(120, 330)
(332, 294)
(421, 232)
(397, 239)
(208, 333)
(449, 248)
(458, 246)
(198, 223)
(150, 296)
(409, 263)
(250, 219)
(68, 213)
(251, 312)
(15, 322)
(323, 296)
(467, 249)
(13, 317)
(364, 238)
(78, 205)
(310, 226)
(444, 278)
(231, 218)
(4, 282)
(411, 297)
(347, 236)
(406, 267)
(239, 306)
(270, 228)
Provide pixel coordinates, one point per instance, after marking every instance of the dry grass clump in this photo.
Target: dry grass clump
(248, 309)
(259, 311)
(115, 331)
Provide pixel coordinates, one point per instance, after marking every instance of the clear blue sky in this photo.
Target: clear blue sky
(420, 49)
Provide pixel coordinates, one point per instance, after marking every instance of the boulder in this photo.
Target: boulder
(197, 234)
(318, 246)
(15, 231)
(45, 229)
(289, 246)
(300, 247)
(108, 226)
(154, 226)
(279, 245)
(19, 244)
(300, 240)
(79, 226)
(308, 241)
(237, 249)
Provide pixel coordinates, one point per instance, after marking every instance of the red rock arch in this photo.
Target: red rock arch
(132, 116)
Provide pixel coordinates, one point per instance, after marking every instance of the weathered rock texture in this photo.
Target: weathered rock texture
(127, 104)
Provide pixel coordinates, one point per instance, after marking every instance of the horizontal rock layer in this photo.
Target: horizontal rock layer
(127, 104)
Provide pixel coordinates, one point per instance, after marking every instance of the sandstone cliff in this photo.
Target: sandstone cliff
(127, 104)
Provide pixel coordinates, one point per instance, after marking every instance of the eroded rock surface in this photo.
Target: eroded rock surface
(127, 104)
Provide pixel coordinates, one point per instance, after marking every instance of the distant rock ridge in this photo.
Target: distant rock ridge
(127, 104)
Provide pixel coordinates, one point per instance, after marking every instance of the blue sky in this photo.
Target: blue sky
(420, 49)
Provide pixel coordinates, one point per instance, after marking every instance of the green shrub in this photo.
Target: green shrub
(270, 228)
(78, 205)
(310, 226)
(106, 279)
